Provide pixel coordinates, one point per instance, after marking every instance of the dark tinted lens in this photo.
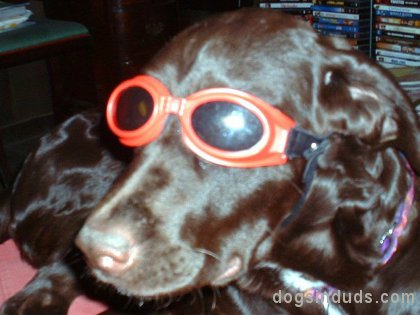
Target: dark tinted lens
(227, 126)
(134, 108)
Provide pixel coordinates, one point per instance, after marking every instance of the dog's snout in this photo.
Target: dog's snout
(109, 251)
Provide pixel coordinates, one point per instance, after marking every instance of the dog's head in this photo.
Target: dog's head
(176, 222)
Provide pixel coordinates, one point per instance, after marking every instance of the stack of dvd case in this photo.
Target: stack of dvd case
(294, 7)
(350, 19)
(397, 33)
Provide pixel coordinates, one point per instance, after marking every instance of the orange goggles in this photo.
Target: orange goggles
(224, 126)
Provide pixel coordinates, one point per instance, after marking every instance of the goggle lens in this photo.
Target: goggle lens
(226, 126)
(135, 107)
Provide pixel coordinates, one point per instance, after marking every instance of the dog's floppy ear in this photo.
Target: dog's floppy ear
(349, 205)
(364, 100)
(369, 205)
(349, 208)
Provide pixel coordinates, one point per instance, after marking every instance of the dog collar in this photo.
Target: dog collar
(389, 241)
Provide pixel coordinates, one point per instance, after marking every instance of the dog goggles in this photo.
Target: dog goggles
(221, 125)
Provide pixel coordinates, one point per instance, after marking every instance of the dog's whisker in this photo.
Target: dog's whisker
(193, 296)
(270, 231)
(202, 301)
(295, 186)
(215, 295)
(159, 302)
(219, 294)
(208, 253)
(167, 300)
(129, 302)
(140, 302)
(273, 235)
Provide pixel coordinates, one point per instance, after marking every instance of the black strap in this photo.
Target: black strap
(303, 144)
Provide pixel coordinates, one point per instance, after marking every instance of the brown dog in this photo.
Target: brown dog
(174, 223)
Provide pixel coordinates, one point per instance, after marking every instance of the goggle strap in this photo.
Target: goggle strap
(301, 143)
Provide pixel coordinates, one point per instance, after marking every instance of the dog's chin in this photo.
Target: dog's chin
(221, 276)
(138, 291)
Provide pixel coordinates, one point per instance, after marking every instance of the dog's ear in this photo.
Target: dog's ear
(359, 229)
(369, 204)
(362, 99)
(348, 207)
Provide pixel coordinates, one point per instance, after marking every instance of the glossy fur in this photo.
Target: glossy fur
(174, 224)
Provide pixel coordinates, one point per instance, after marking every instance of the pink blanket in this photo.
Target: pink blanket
(15, 273)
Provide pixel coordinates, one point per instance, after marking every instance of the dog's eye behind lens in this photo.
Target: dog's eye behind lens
(134, 108)
(227, 126)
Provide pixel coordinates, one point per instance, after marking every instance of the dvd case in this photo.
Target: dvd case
(397, 32)
(386, 30)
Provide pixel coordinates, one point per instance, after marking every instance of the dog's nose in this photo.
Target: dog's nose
(109, 251)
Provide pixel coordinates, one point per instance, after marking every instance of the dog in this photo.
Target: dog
(177, 217)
